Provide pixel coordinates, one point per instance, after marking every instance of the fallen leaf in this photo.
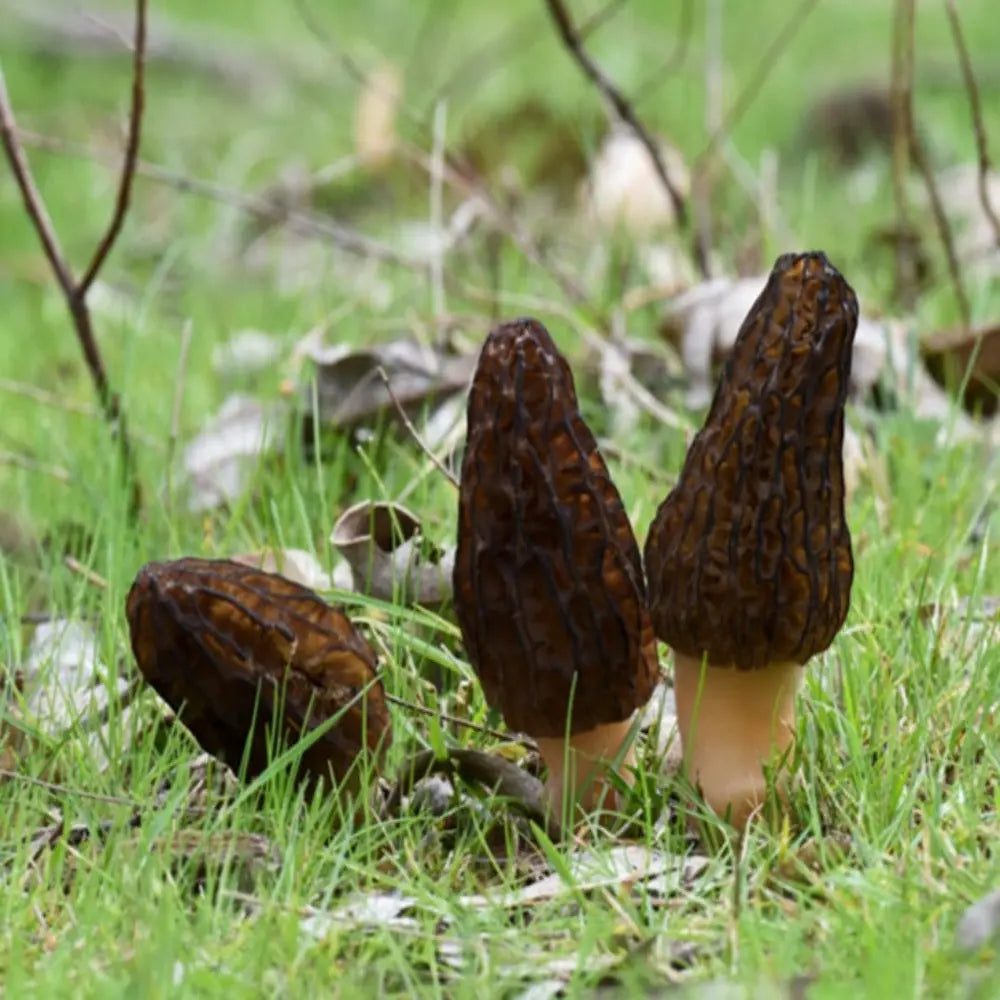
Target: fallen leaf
(624, 190)
(971, 358)
(980, 924)
(293, 564)
(350, 390)
(66, 687)
(389, 557)
(657, 872)
(246, 353)
(362, 910)
(219, 461)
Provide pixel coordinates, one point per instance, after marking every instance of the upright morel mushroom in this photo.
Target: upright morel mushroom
(548, 578)
(749, 558)
(236, 651)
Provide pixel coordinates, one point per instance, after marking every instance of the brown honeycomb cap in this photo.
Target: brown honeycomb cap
(749, 557)
(548, 579)
(227, 646)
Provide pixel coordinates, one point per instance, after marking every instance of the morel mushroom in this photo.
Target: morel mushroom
(234, 649)
(749, 557)
(548, 578)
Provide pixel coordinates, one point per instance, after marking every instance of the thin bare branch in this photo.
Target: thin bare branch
(94, 579)
(906, 142)
(622, 107)
(306, 223)
(408, 424)
(75, 292)
(131, 153)
(975, 107)
(944, 230)
(454, 720)
(33, 203)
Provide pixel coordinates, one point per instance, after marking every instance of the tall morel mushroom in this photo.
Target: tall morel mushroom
(749, 557)
(236, 651)
(548, 578)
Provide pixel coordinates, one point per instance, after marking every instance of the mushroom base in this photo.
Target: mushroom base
(578, 771)
(732, 722)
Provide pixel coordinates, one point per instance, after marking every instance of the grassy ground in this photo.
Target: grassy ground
(893, 832)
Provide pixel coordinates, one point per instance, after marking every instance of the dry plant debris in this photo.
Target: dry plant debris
(389, 557)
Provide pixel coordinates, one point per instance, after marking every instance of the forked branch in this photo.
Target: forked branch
(75, 292)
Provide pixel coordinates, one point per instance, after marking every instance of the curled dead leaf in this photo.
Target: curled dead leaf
(389, 558)
(350, 390)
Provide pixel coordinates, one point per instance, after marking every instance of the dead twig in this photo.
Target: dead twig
(94, 579)
(901, 95)
(303, 223)
(127, 175)
(524, 791)
(907, 143)
(944, 230)
(454, 720)
(64, 790)
(623, 109)
(975, 107)
(412, 431)
(75, 293)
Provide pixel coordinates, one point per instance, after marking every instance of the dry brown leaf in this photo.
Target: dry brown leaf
(389, 557)
(952, 355)
(219, 461)
(350, 391)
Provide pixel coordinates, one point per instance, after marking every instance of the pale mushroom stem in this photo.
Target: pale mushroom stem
(732, 722)
(578, 772)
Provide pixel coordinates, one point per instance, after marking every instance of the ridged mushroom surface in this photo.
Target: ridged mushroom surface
(548, 579)
(212, 637)
(749, 557)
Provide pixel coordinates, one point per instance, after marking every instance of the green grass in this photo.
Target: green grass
(894, 826)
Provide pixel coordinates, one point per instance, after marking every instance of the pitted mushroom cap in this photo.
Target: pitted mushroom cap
(209, 634)
(749, 557)
(548, 578)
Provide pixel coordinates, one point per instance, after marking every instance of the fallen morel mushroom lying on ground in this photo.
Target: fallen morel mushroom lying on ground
(749, 558)
(548, 579)
(231, 649)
